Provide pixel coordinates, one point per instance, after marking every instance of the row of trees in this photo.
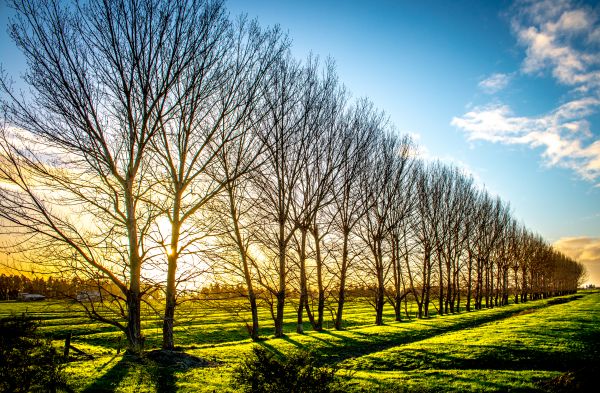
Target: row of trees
(164, 144)
(51, 287)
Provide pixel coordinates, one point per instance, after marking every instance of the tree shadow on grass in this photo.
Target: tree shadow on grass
(163, 364)
(364, 343)
(327, 343)
(164, 377)
(271, 348)
(156, 368)
(112, 378)
(293, 342)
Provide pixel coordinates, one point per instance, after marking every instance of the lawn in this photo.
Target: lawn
(534, 346)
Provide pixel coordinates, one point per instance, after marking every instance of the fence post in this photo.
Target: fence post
(67, 345)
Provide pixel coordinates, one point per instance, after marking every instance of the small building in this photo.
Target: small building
(30, 297)
(88, 296)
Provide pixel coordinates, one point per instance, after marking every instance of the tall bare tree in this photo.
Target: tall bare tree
(429, 207)
(399, 239)
(322, 104)
(389, 173)
(284, 146)
(360, 129)
(214, 108)
(103, 76)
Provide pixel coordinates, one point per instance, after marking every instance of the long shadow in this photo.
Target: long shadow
(488, 357)
(107, 363)
(162, 365)
(294, 342)
(271, 348)
(111, 379)
(325, 342)
(163, 377)
(160, 373)
(369, 343)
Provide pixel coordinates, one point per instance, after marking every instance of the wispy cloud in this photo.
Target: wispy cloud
(585, 250)
(561, 133)
(562, 39)
(556, 36)
(495, 82)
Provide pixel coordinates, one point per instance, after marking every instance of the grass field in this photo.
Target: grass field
(536, 346)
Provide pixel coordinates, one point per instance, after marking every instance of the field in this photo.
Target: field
(544, 345)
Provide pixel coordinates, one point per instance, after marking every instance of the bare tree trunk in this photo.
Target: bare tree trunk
(254, 335)
(427, 285)
(134, 330)
(397, 276)
(487, 283)
(469, 281)
(252, 299)
(424, 289)
(134, 326)
(282, 283)
(505, 288)
(303, 286)
(441, 285)
(171, 290)
(413, 290)
(457, 291)
(516, 269)
(234, 214)
(380, 293)
(427, 291)
(449, 293)
(170, 303)
(524, 285)
(318, 325)
(342, 287)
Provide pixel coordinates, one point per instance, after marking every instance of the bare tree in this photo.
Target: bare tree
(359, 131)
(238, 161)
(284, 147)
(402, 212)
(214, 106)
(322, 104)
(458, 201)
(389, 174)
(429, 207)
(102, 77)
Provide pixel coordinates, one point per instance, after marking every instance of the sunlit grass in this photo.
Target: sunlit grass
(508, 348)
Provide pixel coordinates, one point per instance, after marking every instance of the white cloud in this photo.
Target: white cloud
(494, 83)
(554, 34)
(561, 133)
(557, 37)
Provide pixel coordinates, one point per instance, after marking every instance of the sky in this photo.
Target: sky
(509, 91)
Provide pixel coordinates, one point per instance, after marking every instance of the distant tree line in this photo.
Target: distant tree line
(12, 285)
(51, 287)
(166, 145)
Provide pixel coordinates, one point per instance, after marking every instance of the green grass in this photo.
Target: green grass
(515, 348)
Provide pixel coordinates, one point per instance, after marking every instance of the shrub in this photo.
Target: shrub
(27, 361)
(298, 372)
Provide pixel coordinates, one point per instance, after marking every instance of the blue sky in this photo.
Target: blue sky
(510, 91)
(479, 89)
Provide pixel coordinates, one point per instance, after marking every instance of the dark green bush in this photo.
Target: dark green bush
(28, 363)
(262, 371)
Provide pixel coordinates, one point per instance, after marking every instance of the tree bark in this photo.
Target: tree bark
(342, 287)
